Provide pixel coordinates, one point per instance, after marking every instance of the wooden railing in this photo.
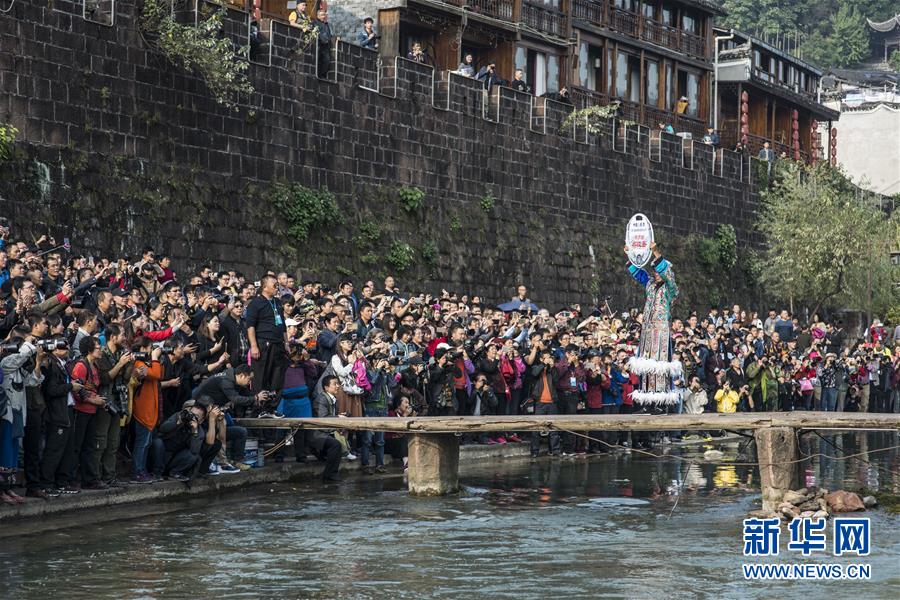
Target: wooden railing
(583, 97)
(544, 19)
(589, 10)
(499, 9)
(659, 34)
(623, 21)
(773, 79)
(605, 14)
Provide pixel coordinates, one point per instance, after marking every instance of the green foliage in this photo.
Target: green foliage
(719, 253)
(487, 202)
(368, 235)
(369, 259)
(343, 271)
(894, 60)
(591, 118)
(455, 223)
(304, 209)
(429, 253)
(411, 198)
(400, 256)
(892, 315)
(833, 32)
(822, 242)
(201, 48)
(8, 135)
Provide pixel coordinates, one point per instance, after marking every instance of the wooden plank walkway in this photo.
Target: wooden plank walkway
(753, 421)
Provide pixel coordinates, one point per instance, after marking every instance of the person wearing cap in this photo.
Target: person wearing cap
(191, 439)
(682, 105)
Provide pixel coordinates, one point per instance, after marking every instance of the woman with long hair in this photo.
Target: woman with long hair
(210, 341)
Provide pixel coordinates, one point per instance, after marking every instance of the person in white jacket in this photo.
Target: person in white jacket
(695, 397)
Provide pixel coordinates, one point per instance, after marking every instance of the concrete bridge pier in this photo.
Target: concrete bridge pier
(778, 455)
(433, 464)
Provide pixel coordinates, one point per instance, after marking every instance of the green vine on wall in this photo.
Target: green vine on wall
(592, 118)
(8, 135)
(400, 256)
(304, 209)
(200, 48)
(411, 198)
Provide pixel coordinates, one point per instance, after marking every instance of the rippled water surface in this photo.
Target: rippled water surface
(599, 528)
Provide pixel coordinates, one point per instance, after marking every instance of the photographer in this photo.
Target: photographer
(82, 442)
(377, 402)
(20, 369)
(58, 389)
(762, 378)
(544, 399)
(114, 367)
(230, 391)
(148, 371)
(34, 419)
(727, 398)
(484, 402)
(442, 395)
(569, 381)
(190, 438)
(828, 378)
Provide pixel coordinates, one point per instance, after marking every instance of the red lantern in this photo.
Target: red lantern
(745, 96)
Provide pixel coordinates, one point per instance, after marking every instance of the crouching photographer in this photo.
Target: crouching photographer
(191, 439)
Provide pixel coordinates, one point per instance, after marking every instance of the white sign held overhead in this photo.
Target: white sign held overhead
(638, 239)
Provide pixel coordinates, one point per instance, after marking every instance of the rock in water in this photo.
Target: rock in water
(763, 514)
(841, 501)
(870, 502)
(820, 514)
(713, 455)
(794, 498)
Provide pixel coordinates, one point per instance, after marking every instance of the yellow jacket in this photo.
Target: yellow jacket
(727, 401)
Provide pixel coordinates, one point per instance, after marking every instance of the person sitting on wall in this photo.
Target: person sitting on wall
(711, 138)
(682, 105)
(323, 39)
(561, 96)
(518, 82)
(467, 66)
(418, 54)
(667, 128)
(368, 38)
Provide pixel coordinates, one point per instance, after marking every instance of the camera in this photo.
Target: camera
(9, 347)
(393, 361)
(187, 416)
(141, 356)
(51, 345)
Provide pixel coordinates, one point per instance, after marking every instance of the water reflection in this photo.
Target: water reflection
(602, 527)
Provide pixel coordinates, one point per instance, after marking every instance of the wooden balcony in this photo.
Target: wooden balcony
(624, 22)
(603, 14)
(590, 11)
(549, 21)
(583, 97)
(498, 9)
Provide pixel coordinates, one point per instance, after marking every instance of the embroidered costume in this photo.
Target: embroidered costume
(653, 362)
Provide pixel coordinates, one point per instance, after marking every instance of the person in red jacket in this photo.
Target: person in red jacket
(80, 449)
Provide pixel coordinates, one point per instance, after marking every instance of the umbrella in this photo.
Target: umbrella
(514, 305)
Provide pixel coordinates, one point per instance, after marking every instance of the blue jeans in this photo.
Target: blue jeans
(369, 436)
(829, 399)
(146, 443)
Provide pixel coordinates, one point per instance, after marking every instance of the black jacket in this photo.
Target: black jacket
(538, 387)
(223, 390)
(56, 388)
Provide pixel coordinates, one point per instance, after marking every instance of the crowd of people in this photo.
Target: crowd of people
(121, 363)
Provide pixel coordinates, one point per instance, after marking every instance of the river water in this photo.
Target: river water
(621, 526)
